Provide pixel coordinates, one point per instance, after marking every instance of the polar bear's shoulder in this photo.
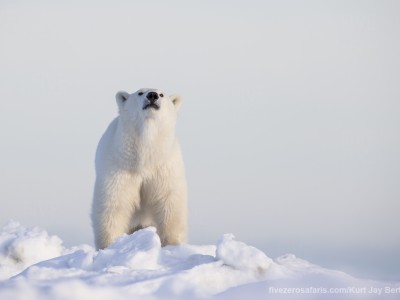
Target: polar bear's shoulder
(106, 143)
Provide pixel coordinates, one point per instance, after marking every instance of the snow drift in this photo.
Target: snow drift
(34, 265)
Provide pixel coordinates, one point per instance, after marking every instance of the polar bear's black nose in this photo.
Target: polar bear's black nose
(152, 96)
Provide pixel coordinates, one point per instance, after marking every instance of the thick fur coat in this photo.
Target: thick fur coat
(140, 178)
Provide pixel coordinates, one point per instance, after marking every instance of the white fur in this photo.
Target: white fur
(140, 178)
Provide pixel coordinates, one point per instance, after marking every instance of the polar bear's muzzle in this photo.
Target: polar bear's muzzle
(151, 101)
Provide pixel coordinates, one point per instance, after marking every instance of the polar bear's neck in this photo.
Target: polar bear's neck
(144, 145)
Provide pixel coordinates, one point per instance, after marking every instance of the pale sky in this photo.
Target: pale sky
(289, 123)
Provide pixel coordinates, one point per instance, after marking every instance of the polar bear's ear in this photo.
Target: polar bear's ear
(121, 97)
(176, 100)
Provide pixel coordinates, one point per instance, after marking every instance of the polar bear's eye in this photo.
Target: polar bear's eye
(161, 95)
(140, 94)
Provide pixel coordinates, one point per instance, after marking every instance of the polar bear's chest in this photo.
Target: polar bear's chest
(146, 150)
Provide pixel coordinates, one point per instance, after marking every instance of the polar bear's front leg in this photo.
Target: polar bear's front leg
(172, 219)
(114, 204)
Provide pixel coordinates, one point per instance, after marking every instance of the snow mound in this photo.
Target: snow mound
(34, 265)
(236, 254)
(20, 248)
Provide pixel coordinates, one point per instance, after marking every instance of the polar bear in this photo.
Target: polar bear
(140, 177)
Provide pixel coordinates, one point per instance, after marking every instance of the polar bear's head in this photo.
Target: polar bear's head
(147, 104)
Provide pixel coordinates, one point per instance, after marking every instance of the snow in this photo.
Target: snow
(34, 265)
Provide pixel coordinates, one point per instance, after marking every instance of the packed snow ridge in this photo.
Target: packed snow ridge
(34, 265)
